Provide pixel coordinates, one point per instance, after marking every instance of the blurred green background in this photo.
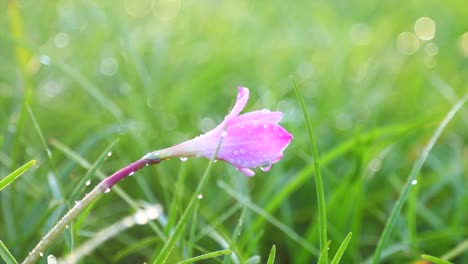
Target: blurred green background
(377, 77)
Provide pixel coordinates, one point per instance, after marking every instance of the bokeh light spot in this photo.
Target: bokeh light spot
(407, 43)
(464, 44)
(425, 28)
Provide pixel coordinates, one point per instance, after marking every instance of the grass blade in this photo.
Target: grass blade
(271, 257)
(412, 176)
(213, 254)
(6, 255)
(339, 253)
(318, 176)
(14, 175)
(435, 260)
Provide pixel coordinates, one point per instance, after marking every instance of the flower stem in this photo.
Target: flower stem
(103, 187)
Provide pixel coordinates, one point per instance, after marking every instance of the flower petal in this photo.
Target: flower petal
(247, 171)
(242, 98)
(253, 144)
(262, 116)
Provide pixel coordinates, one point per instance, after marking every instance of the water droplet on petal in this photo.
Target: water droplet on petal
(266, 167)
(242, 151)
(183, 158)
(107, 190)
(224, 133)
(235, 152)
(265, 126)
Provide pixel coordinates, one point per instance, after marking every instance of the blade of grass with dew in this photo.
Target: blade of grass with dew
(170, 243)
(271, 257)
(288, 231)
(15, 174)
(6, 255)
(412, 176)
(435, 260)
(323, 253)
(118, 190)
(236, 233)
(318, 176)
(213, 254)
(339, 253)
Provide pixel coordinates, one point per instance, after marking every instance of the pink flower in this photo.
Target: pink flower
(251, 140)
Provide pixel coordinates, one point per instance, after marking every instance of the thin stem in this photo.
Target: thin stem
(322, 212)
(103, 187)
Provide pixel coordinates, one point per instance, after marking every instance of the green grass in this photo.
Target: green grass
(79, 80)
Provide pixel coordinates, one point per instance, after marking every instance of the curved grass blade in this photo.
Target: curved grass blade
(271, 257)
(412, 176)
(322, 208)
(213, 254)
(6, 255)
(339, 253)
(14, 175)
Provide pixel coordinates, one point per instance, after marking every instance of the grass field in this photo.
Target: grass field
(87, 87)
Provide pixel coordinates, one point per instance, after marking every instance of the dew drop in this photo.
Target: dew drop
(44, 59)
(107, 190)
(183, 158)
(88, 182)
(109, 154)
(200, 196)
(414, 182)
(141, 218)
(51, 259)
(235, 152)
(67, 226)
(41, 254)
(266, 167)
(131, 173)
(215, 160)
(242, 151)
(224, 133)
(77, 202)
(265, 126)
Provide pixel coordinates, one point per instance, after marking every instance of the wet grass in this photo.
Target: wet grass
(86, 88)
